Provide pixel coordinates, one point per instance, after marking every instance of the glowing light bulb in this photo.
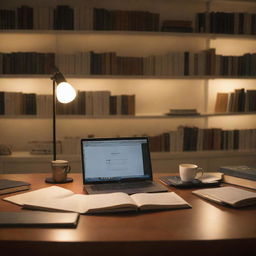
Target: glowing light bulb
(65, 92)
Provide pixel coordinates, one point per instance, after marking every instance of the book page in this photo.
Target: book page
(228, 195)
(40, 194)
(84, 203)
(108, 202)
(165, 200)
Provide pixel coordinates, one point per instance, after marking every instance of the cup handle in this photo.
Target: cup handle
(68, 169)
(200, 171)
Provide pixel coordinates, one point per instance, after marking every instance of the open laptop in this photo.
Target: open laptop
(117, 165)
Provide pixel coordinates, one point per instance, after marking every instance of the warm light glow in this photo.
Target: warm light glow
(65, 92)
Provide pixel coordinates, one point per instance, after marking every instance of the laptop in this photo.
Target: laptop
(117, 165)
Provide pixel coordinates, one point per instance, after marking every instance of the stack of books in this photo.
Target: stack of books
(182, 112)
(240, 175)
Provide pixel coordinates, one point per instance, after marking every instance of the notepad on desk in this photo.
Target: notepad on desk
(235, 197)
(60, 199)
(38, 218)
(11, 186)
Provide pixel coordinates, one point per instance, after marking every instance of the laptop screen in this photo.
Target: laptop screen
(115, 159)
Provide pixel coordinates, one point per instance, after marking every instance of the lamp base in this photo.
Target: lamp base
(52, 181)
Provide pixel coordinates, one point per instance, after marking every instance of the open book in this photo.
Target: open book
(235, 197)
(57, 198)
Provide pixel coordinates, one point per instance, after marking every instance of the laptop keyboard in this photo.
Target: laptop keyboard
(127, 185)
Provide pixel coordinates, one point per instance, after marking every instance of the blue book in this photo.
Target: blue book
(240, 171)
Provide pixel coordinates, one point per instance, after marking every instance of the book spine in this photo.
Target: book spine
(239, 181)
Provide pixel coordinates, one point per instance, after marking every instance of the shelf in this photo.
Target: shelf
(35, 76)
(211, 36)
(127, 116)
(25, 156)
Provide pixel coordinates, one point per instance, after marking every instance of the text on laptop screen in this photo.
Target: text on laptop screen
(111, 160)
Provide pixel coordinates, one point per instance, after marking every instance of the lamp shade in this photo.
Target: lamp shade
(65, 92)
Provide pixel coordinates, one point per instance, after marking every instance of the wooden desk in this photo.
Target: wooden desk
(206, 229)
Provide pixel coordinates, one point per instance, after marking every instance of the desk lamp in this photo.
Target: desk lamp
(65, 93)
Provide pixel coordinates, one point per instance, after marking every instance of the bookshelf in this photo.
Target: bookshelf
(155, 94)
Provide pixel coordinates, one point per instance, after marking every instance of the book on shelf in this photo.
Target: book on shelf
(57, 198)
(177, 26)
(221, 103)
(10, 186)
(231, 196)
(183, 112)
(43, 147)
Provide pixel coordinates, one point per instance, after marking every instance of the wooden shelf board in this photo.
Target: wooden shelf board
(46, 76)
(212, 36)
(127, 116)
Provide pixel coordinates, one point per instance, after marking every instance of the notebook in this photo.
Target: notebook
(117, 165)
(38, 218)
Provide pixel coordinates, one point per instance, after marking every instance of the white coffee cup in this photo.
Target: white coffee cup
(188, 172)
(60, 169)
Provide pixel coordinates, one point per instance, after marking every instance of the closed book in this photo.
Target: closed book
(239, 181)
(9, 186)
(231, 196)
(221, 103)
(38, 218)
(240, 171)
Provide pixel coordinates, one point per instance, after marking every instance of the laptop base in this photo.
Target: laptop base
(127, 187)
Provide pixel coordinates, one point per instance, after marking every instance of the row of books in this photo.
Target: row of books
(104, 19)
(202, 63)
(183, 139)
(90, 103)
(84, 18)
(205, 62)
(26, 63)
(187, 138)
(64, 17)
(226, 23)
(240, 100)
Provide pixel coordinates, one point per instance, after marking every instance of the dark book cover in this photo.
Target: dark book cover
(38, 218)
(2, 104)
(113, 105)
(124, 105)
(186, 63)
(63, 18)
(25, 17)
(9, 186)
(7, 19)
(166, 142)
(240, 171)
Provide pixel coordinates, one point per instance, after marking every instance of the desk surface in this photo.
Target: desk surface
(206, 229)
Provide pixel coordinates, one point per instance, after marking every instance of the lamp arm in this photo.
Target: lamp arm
(54, 118)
